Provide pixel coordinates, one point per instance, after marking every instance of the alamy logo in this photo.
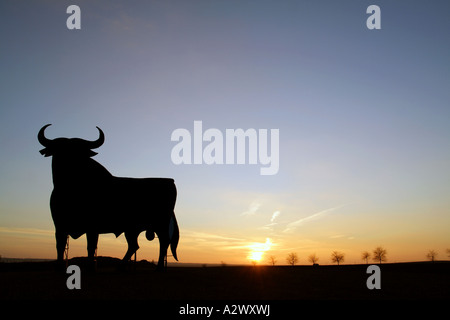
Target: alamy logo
(373, 281)
(74, 20)
(74, 280)
(233, 144)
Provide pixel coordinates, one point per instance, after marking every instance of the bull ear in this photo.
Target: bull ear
(46, 152)
(90, 153)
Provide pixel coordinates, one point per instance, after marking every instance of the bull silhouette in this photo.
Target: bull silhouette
(87, 199)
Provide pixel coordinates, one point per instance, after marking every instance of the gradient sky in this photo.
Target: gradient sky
(364, 121)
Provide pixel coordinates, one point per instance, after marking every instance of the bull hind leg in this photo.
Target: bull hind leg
(132, 240)
(163, 246)
(92, 241)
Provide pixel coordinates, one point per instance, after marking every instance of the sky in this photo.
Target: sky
(362, 115)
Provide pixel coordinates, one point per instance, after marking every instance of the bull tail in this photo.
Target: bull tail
(174, 235)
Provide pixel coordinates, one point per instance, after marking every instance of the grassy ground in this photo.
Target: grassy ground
(40, 281)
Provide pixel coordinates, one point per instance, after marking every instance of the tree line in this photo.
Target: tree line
(378, 255)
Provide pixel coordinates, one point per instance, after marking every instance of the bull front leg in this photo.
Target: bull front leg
(61, 242)
(132, 240)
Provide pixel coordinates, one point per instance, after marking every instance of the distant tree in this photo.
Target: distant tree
(448, 253)
(365, 256)
(313, 258)
(292, 258)
(272, 260)
(379, 254)
(337, 257)
(431, 255)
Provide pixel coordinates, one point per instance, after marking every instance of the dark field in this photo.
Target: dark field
(40, 281)
(33, 287)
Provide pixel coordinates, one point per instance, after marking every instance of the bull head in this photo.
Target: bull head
(66, 146)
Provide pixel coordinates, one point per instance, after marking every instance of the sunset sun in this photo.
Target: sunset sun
(256, 256)
(258, 249)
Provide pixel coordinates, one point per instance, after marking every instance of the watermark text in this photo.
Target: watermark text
(236, 146)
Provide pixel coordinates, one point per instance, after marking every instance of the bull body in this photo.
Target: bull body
(88, 199)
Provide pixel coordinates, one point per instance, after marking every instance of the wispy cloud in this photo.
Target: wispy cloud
(318, 215)
(27, 231)
(272, 223)
(196, 239)
(337, 236)
(275, 215)
(258, 246)
(252, 208)
(340, 236)
(208, 236)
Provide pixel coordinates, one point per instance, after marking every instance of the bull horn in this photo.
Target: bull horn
(97, 143)
(41, 137)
